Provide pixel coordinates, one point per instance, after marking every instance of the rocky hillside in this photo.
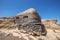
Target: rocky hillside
(9, 31)
(28, 26)
(15, 34)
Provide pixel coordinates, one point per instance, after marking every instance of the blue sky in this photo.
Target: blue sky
(47, 9)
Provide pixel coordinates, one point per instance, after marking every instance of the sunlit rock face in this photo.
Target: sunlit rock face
(51, 24)
(28, 25)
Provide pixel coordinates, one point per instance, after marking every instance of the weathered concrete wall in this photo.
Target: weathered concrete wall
(27, 16)
(29, 21)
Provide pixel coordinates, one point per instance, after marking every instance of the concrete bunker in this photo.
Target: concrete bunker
(30, 22)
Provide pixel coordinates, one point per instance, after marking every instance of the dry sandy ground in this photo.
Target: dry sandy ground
(17, 35)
